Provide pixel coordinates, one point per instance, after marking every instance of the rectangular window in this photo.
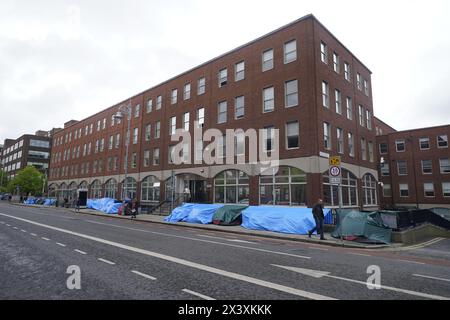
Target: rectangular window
(338, 102)
(148, 132)
(198, 156)
(363, 149)
(358, 81)
(368, 120)
(327, 135)
(446, 189)
(187, 91)
(325, 95)
(137, 110)
(97, 145)
(404, 190)
(117, 141)
(442, 141)
(110, 143)
(385, 172)
(158, 102)
(239, 144)
(340, 140)
(149, 105)
(223, 77)
(239, 71)
(351, 145)
(200, 117)
(291, 93)
(371, 156)
(324, 52)
(174, 96)
(268, 99)
(427, 166)
(387, 191)
(400, 145)
(267, 60)
(366, 88)
(428, 189)
(99, 125)
(135, 135)
(157, 129)
(361, 115)
(336, 66)
(222, 112)
(170, 154)
(268, 136)
(444, 164)
(402, 168)
(186, 121)
(133, 160)
(349, 108)
(172, 125)
(239, 109)
(146, 158)
(156, 157)
(292, 135)
(113, 119)
(221, 147)
(201, 85)
(347, 74)
(424, 143)
(290, 51)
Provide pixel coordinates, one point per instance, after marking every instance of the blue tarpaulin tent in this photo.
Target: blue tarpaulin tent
(194, 213)
(280, 219)
(106, 205)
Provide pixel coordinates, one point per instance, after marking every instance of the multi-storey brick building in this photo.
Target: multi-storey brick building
(26, 150)
(415, 167)
(299, 79)
(382, 128)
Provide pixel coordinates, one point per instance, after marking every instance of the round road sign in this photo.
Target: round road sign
(335, 171)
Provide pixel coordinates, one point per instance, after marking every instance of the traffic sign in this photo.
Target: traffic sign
(335, 171)
(335, 161)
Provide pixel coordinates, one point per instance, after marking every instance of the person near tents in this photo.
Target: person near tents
(77, 207)
(134, 208)
(318, 215)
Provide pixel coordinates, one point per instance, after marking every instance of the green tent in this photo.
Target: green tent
(369, 225)
(229, 215)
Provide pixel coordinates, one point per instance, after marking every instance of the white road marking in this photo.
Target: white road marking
(320, 274)
(232, 240)
(201, 240)
(79, 251)
(198, 294)
(321, 249)
(61, 244)
(429, 277)
(143, 275)
(33, 234)
(46, 239)
(8, 225)
(16, 228)
(359, 254)
(411, 261)
(224, 273)
(420, 245)
(106, 261)
(23, 230)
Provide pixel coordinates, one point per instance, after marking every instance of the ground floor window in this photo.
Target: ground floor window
(231, 186)
(285, 186)
(150, 187)
(349, 190)
(52, 190)
(129, 187)
(96, 189)
(111, 188)
(369, 190)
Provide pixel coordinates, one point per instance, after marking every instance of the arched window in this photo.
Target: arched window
(111, 188)
(129, 187)
(83, 185)
(52, 190)
(96, 189)
(349, 190)
(231, 186)
(150, 189)
(285, 186)
(369, 189)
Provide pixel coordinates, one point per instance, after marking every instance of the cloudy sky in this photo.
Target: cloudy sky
(67, 59)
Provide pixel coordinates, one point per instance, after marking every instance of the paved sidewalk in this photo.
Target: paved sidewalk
(228, 229)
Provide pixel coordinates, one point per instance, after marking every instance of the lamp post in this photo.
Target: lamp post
(410, 139)
(121, 112)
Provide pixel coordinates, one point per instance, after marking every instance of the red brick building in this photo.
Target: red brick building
(415, 167)
(299, 79)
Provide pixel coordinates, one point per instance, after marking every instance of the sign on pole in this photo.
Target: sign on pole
(335, 170)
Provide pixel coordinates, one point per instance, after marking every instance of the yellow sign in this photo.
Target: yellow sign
(335, 161)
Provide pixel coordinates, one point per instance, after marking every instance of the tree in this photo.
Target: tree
(28, 181)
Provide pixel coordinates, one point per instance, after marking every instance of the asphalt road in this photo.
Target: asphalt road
(122, 259)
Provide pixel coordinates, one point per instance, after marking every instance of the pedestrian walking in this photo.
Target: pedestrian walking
(318, 215)
(134, 208)
(77, 206)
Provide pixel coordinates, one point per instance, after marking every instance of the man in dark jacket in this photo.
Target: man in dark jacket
(318, 215)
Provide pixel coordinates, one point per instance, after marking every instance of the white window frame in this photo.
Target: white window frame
(292, 52)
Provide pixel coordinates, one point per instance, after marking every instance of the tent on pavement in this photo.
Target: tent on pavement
(194, 213)
(229, 215)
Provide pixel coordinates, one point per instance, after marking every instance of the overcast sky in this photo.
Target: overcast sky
(62, 60)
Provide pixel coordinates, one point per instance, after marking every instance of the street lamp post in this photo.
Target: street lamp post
(121, 112)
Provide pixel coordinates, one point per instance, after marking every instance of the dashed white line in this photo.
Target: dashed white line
(33, 234)
(46, 239)
(8, 225)
(143, 275)
(79, 251)
(16, 228)
(359, 254)
(198, 294)
(23, 230)
(321, 249)
(411, 261)
(106, 261)
(429, 277)
(61, 244)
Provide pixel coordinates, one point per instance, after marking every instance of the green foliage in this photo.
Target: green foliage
(28, 181)
(3, 181)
